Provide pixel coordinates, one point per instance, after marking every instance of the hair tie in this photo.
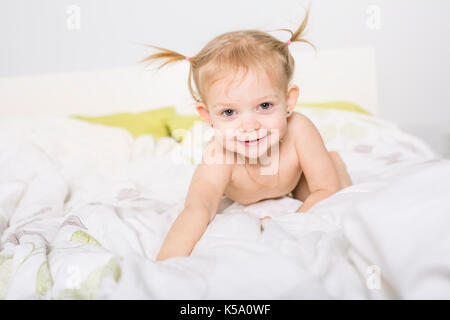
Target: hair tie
(288, 42)
(187, 58)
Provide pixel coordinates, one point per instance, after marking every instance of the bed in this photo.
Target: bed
(84, 207)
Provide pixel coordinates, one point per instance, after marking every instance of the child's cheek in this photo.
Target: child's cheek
(278, 127)
(225, 138)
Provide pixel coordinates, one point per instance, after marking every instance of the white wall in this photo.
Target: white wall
(412, 47)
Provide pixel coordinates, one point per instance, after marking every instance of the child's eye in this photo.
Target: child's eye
(227, 112)
(265, 105)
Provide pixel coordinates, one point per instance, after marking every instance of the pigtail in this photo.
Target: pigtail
(298, 35)
(165, 54)
(171, 56)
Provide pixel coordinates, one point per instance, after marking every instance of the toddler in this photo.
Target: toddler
(261, 149)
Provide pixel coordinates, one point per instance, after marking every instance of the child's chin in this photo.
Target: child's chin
(250, 153)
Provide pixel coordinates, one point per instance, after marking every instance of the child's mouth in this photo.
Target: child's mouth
(251, 143)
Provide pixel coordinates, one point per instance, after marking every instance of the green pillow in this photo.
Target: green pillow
(149, 122)
(339, 105)
(164, 122)
(184, 122)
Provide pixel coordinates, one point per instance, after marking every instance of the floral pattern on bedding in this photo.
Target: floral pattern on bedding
(70, 220)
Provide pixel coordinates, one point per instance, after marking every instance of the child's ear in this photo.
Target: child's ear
(203, 111)
(292, 97)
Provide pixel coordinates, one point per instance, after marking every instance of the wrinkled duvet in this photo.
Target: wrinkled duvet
(84, 209)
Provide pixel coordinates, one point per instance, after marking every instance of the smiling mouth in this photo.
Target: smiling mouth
(255, 142)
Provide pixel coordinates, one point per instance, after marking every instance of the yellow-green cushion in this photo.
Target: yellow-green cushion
(179, 124)
(339, 105)
(149, 122)
(164, 122)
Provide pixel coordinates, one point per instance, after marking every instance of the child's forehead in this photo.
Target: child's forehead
(242, 96)
(238, 81)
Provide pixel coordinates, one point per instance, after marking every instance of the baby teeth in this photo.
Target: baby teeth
(253, 142)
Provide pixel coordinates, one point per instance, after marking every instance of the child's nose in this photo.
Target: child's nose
(249, 125)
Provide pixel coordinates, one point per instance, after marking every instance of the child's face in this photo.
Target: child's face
(252, 108)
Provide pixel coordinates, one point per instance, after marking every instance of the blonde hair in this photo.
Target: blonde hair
(236, 50)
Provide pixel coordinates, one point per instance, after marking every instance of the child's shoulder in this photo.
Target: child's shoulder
(297, 118)
(298, 122)
(301, 130)
(295, 123)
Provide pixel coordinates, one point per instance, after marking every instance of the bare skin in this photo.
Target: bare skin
(248, 190)
(303, 164)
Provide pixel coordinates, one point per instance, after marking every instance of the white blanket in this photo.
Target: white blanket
(84, 209)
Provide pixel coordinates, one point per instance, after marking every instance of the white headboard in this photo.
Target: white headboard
(344, 74)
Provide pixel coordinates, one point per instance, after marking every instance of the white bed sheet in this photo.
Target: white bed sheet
(84, 209)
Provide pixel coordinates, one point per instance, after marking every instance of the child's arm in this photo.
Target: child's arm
(202, 201)
(316, 163)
